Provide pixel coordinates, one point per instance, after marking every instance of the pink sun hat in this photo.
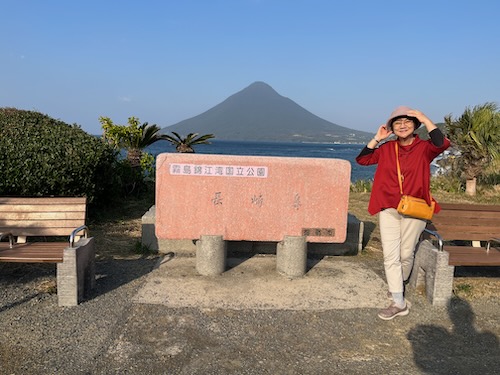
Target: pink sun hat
(401, 111)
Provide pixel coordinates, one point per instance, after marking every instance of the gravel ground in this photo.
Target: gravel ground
(113, 333)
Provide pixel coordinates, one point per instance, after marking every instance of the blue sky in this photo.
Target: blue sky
(349, 62)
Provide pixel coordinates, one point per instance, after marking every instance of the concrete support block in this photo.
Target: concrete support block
(352, 246)
(211, 255)
(291, 256)
(148, 237)
(356, 229)
(432, 271)
(67, 279)
(355, 232)
(76, 274)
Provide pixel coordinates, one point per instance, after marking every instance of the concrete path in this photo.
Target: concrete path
(150, 319)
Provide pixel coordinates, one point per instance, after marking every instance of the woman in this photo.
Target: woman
(399, 234)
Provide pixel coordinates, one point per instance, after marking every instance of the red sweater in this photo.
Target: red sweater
(414, 160)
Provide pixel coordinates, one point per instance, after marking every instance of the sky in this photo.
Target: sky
(348, 62)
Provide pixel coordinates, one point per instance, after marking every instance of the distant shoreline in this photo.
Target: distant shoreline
(345, 151)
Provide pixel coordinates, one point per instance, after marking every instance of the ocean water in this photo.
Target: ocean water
(303, 150)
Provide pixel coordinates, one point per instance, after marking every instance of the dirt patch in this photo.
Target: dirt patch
(254, 283)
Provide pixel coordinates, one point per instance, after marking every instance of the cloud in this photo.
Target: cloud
(125, 99)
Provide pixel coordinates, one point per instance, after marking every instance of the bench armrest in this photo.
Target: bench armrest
(438, 237)
(493, 240)
(73, 234)
(11, 238)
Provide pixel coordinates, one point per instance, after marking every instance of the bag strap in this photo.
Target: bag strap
(400, 180)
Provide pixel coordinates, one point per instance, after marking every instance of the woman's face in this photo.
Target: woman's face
(403, 127)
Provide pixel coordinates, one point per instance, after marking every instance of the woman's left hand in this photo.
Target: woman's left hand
(419, 115)
(422, 118)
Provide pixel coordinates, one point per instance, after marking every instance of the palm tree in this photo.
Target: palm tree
(186, 144)
(144, 137)
(134, 138)
(476, 134)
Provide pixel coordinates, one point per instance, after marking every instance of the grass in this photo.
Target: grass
(141, 249)
(463, 288)
(117, 228)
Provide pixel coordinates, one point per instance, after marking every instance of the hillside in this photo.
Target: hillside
(259, 113)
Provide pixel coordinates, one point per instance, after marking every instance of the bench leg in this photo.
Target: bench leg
(76, 274)
(291, 256)
(431, 269)
(211, 252)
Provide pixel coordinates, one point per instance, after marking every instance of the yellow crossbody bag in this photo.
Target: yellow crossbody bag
(411, 206)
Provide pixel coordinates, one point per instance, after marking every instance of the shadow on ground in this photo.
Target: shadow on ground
(114, 273)
(459, 350)
(21, 283)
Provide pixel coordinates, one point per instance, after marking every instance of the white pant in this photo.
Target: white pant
(399, 235)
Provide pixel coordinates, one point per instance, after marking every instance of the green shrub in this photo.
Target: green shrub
(491, 179)
(448, 183)
(133, 181)
(488, 186)
(42, 156)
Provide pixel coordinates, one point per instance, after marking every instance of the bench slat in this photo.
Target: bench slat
(449, 233)
(42, 208)
(39, 232)
(63, 223)
(39, 252)
(42, 200)
(469, 256)
(22, 216)
(464, 220)
(469, 223)
(474, 213)
(461, 207)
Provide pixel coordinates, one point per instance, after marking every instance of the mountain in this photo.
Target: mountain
(259, 113)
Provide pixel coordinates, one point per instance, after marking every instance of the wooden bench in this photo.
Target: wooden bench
(460, 235)
(31, 231)
(479, 225)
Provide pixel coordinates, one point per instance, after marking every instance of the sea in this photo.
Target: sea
(287, 149)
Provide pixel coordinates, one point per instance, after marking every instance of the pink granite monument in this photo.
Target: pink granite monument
(251, 198)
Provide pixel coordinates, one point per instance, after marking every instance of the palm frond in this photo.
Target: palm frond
(149, 135)
(476, 133)
(174, 140)
(185, 144)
